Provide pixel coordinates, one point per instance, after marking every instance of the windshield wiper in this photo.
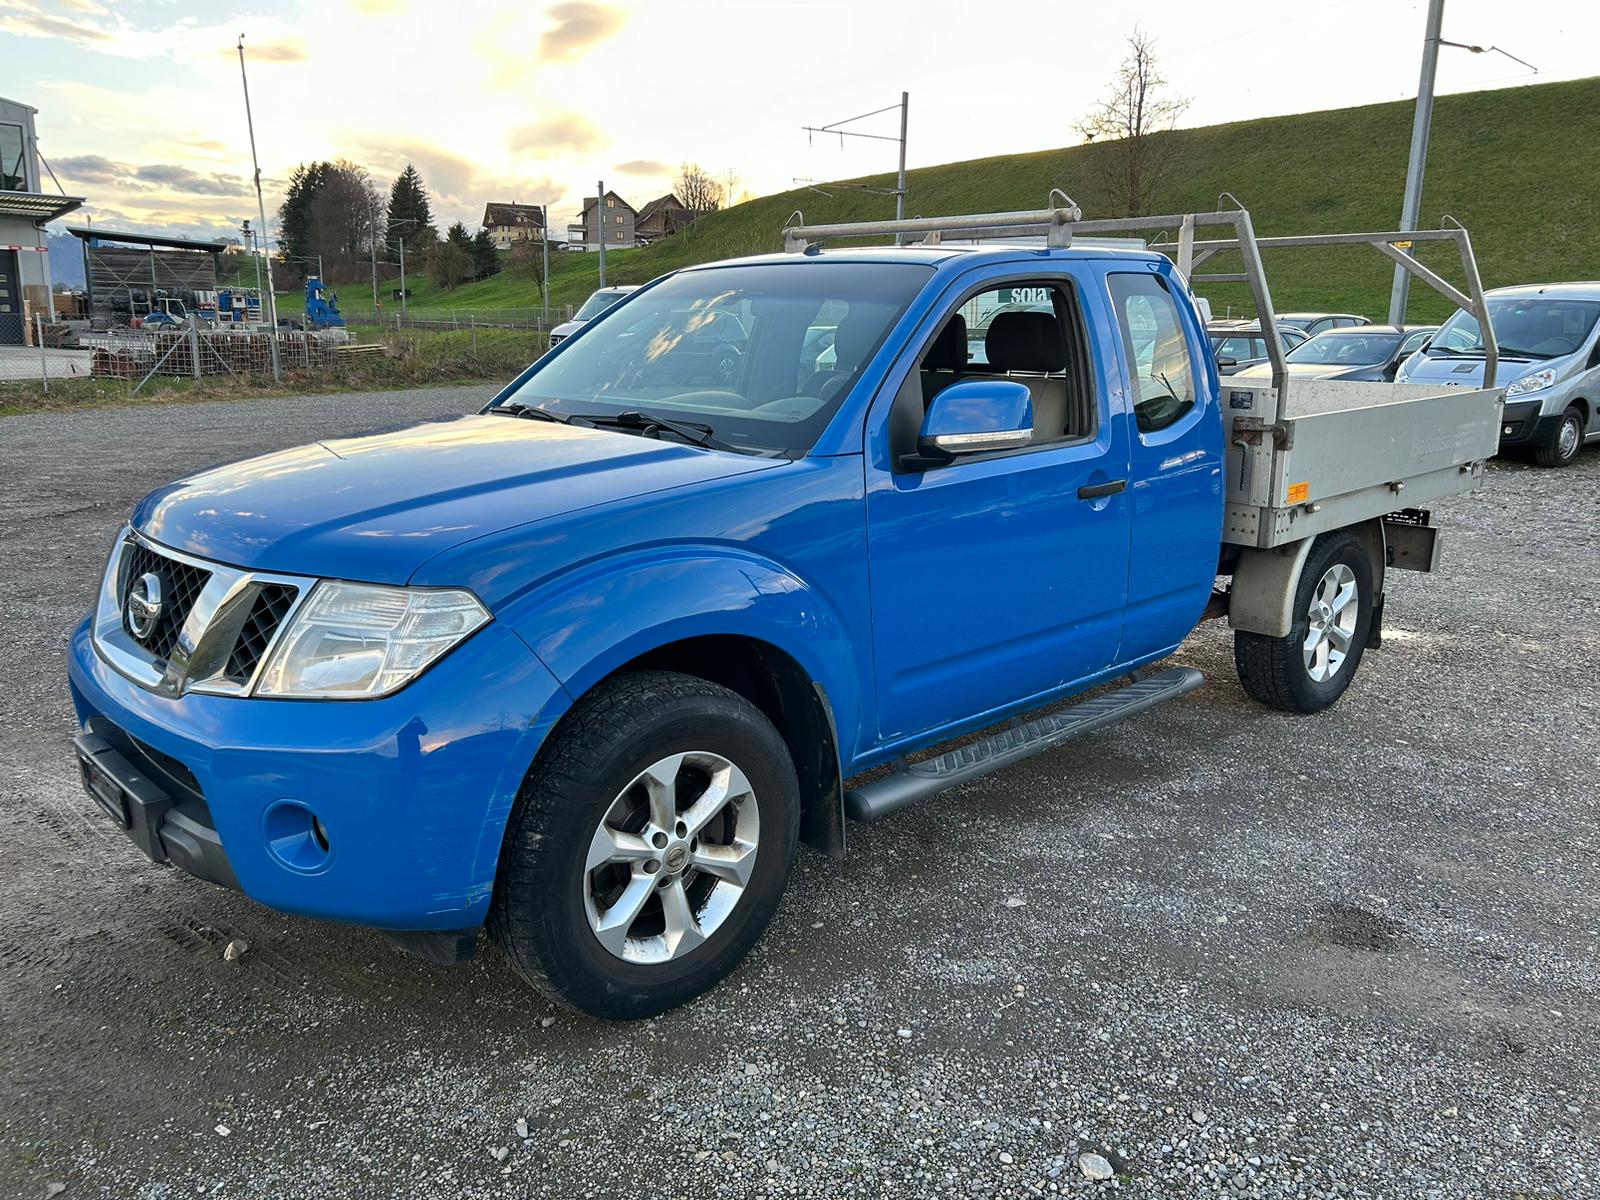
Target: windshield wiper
(535, 413)
(690, 431)
(1453, 352)
(1515, 352)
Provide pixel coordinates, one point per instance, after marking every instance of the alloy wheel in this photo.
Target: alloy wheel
(671, 857)
(1333, 612)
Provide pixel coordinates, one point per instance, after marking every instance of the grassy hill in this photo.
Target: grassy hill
(1517, 166)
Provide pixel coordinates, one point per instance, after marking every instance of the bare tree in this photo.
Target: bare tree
(527, 262)
(449, 264)
(696, 190)
(1131, 156)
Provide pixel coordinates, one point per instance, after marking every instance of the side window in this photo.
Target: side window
(1158, 352)
(1414, 343)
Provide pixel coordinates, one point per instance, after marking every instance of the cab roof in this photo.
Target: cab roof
(936, 255)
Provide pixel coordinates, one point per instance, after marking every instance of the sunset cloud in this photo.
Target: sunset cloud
(643, 167)
(569, 132)
(578, 26)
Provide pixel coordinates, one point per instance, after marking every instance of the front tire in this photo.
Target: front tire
(648, 848)
(1309, 670)
(1565, 441)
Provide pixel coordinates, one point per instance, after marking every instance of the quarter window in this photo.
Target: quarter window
(1159, 360)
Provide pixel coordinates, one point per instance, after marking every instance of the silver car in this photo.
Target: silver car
(1549, 339)
(596, 304)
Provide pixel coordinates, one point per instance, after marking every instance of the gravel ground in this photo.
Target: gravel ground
(1229, 951)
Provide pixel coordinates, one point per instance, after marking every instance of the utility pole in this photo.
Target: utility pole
(600, 224)
(1421, 125)
(375, 305)
(261, 205)
(900, 182)
(402, 277)
(837, 127)
(544, 291)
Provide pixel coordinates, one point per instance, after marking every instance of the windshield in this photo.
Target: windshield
(597, 304)
(1525, 326)
(732, 348)
(1346, 348)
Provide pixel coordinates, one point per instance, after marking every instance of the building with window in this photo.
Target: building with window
(25, 209)
(616, 218)
(509, 224)
(663, 217)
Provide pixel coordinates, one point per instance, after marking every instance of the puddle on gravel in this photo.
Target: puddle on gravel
(1353, 927)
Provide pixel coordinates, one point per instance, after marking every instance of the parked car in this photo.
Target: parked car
(587, 665)
(596, 304)
(1364, 352)
(1240, 344)
(1312, 324)
(1549, 342)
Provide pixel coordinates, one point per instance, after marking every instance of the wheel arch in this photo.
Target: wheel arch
(1261, 598)
(798, 707)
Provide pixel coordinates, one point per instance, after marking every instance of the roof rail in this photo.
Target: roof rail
(1055, 223)
(1062, 219)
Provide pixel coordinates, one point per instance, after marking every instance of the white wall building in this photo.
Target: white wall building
(25, 208)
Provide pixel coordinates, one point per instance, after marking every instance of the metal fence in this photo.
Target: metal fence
(38, 354)
(390, 317)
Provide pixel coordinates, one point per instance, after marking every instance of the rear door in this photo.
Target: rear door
(1176, 459)
(997, 579)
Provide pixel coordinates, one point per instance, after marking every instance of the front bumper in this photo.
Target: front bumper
(1521, 424)
(410, 792)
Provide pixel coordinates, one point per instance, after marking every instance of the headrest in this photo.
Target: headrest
(851, 341)
(949, 349)
(1025, 341)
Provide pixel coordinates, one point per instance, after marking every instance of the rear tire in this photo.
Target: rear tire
(631, 879)
(1565, 441)
(1309, 670)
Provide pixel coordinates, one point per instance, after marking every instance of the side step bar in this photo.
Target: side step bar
(931, 776)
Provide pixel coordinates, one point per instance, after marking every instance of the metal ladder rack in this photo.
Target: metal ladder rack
(1063, 219)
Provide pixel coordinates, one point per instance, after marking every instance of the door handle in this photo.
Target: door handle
(1093, 491)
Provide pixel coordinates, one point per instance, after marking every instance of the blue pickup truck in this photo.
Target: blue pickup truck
(586, 667)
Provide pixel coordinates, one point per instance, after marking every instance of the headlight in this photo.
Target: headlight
(1536, 382)
(352, 640)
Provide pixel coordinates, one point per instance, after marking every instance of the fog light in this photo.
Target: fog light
(296, 837)
(1507, 430)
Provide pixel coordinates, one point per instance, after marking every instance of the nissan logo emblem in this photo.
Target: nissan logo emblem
(143, 609)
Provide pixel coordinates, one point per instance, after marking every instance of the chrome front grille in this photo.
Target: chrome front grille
(272, 603)
(181, 585)
(217, 623)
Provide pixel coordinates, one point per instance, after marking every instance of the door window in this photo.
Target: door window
(1029, 332)
(1159, 361)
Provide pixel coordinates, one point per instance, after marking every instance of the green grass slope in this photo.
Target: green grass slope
(1519, 167)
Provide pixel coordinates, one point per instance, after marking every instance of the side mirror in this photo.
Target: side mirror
(976, 417)
(1225, 363)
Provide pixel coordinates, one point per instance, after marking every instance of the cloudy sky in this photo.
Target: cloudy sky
(140, 107)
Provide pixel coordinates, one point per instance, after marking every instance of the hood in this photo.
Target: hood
(1261, 373)
(375, 508)
(1468, 372)
(567, 328)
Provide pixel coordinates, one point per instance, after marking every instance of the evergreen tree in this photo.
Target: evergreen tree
(408, 200)
(485, 258)
(296, 215)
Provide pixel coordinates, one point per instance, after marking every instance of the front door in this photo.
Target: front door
(1002, 577)
(10, 300)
